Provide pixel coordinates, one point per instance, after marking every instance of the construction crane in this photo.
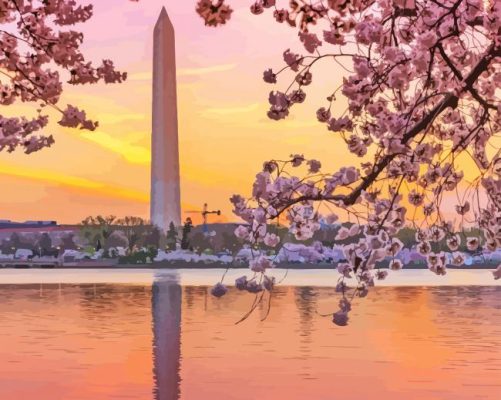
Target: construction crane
(205, 212)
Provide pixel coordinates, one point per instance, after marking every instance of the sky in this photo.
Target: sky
(224, 133)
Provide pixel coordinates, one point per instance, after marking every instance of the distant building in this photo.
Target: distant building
(8, 224)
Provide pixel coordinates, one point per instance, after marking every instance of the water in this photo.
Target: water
(148, 337)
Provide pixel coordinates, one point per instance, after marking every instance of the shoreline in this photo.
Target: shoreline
(204, 266)
(170, 265)
(210, 276)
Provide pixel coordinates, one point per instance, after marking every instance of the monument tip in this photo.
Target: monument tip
(163, 16)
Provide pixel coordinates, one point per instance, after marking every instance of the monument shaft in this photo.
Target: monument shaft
(165, 204)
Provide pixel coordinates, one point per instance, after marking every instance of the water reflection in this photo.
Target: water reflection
(165, 341)
(166, 312)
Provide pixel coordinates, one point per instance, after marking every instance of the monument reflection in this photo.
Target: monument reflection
(166, 321)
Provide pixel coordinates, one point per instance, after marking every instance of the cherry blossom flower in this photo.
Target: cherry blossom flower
(424, 248)
(292, 60)
(463, 209)
(453, 242)
(254, 287)
(241, 283)
(457, 259)
(436, 263)
(268, 283)
(344, 305)
(242, 232)
(342, 234)
(260, 264)
(340, 318)
(218, 290)
(323, 115)
(310, 41)
(396, 265)
(416, 198)
(214, 13)
(257, 8)
(297, 159)
(341, 287)
(331, 218)
(271, 240)
(345, 269)
(74, 118)
(472, 243)
(269, 76)
(314, 166)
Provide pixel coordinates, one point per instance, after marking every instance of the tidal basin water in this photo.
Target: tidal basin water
(82, 335)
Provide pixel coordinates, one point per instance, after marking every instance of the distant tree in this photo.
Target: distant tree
(19, 242)
(7, 247)
(231, 242)
(15, 241)
(44, 244)
(152, 252)
(151, 236)
(116, 239)
(68, 242)
(98, 228)
(200, 242)
(185, 240)
(134, 228)
(171, 237)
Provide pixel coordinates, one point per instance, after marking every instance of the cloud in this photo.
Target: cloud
(51, 177)
(132, 153)
(117, 118)
(205, 70)
(196, 71)
(222, 111)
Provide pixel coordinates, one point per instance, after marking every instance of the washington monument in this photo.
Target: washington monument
(165, 202)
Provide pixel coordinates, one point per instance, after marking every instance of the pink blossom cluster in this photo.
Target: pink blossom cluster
(38, 46)
(421, 90)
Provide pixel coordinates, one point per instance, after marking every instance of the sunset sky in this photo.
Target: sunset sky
(224, 132)
(223, 129)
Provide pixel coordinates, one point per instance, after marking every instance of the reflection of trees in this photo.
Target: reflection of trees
(452, 300)
(401, 294)
(306, 302)
(99, 301)
(194, 293)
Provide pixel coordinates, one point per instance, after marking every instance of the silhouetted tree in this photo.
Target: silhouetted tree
(134, 228)
(44, 244)
(68, 242)
(172, 237)
(100, 227)
(152, 237)
(230, 242)
(185, 241)
(116, 239)
(200, 242)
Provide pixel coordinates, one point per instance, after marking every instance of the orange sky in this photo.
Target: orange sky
(224, 132)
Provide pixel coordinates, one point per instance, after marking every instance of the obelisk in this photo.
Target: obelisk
(165, 204)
